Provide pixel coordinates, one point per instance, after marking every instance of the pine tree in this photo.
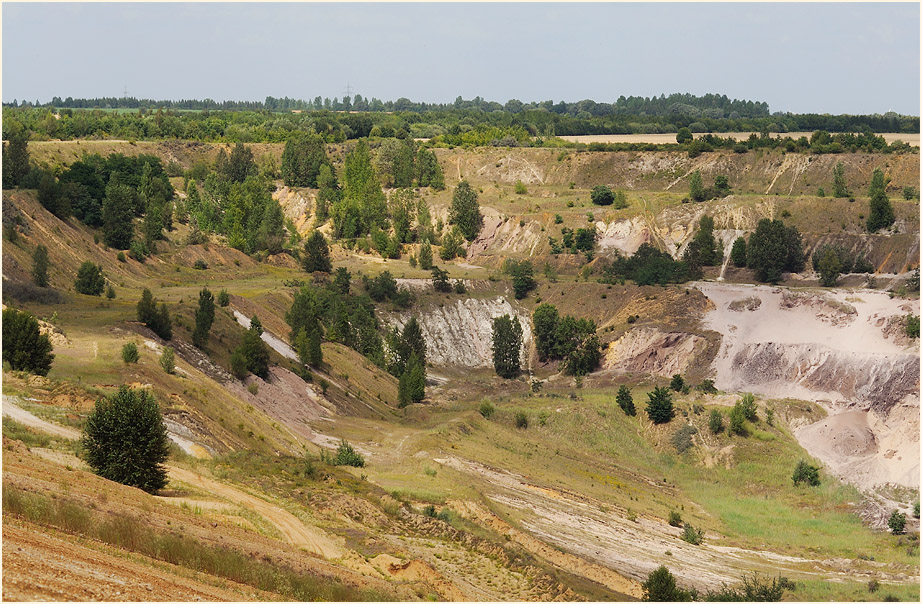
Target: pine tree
(204, 317)
(625, 400)
(881, 212)
(117, 214)
(316, 255)
(425, 256)
(25, 348)
(738, 252)
(271, 229)
(16, 159)
(465, 211)
(839, 188)
(695, 187)
(90, 279)
(40, 266)
(302, 159)
(411, 387)
(659, 407)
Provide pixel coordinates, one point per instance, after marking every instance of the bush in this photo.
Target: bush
(157, 320)
(912, 325)
(223, 298)
(602, 195)
(897, 522)
(677, 383)
(110, 292)
(693, 535)
(90, 279)
(130, 353)
(520, 188)
(807, 473)
(125, 440)
(40, 266)
(682, 439)
(715, 421)
(200, 265)
(168, 360)
(251, 356)
(25, 348)
(737, 420)
(706, 386)
(138, 250)
(521, 420)
(347, 456)
(487, 410)
(748, 405)
(675, 519)
(660, 586)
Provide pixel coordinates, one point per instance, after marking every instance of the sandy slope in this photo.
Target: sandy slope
(835, 347)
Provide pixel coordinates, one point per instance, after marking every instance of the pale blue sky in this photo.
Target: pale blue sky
(826, 58)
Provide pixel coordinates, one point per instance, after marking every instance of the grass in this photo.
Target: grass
(133, 535)
(17, 431)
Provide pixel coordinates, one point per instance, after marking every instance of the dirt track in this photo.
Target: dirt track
(41, 566)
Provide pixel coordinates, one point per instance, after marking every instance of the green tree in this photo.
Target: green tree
(240, 165)
(168, 360)
(678, 383)
(465, 211)
(660, 586)
(738, 252)
(881, 212)
(829, 267)
(747, 403)
(50, 195)
(839, 188)
(738, 420)
(684, 135)
(40, 266)
(302, 158)
(716, 421)
(271, 234)
(696, 187)
(130, 353)
(251, 356)
(363, 204)
(451, 245)
(659, 407)
(702, 250)
(152, 226)
(625, 400)
(425, 256)
(156, 320)
(522, 273)
(806, 473)
(316, 255)
(507, 346)
(223, 298)
(125, 440)
(25, 348)
(16, 159)
(774, 248)
(602, 195)
(204, 317)
(428, 170)
(912, 325)
(90, 279)
(411, 387)
(544, 326)
(328, 194)
(117, 214)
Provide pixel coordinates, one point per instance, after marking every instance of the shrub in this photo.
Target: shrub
(675, 519)
(347, 456)
(90, 279)
(520, 188)
(873, 585)
(156, 320)
(677, 383)
(682, 439)
(706, 386)
(168, 360)
(130, 353)
(897, 522)
(659, 407)
(660, 586)
(40, 266)
(558, 219)
(459, 287)
(602, 195)
(110, 292)
(137, 249)
(748, 405)
(912, 325)
(223, 298)
(807, 473)
(693, 535)
(251, 356)
(915, 509)
(487, 409)
(125, 440)
(200, 265)
(909, 193)
(753, 589)
(521, 420)
(25, 348)
(737, 420)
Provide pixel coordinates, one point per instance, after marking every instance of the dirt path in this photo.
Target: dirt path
(41, 566)
(291, 527)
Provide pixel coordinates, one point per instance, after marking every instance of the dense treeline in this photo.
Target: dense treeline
(464, 122)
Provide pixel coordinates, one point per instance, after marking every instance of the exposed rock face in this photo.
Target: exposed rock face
(649, 350)
(461, 333)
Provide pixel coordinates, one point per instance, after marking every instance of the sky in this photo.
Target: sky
(804, 58)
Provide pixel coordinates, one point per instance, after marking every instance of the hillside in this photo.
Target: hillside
(459, 498)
